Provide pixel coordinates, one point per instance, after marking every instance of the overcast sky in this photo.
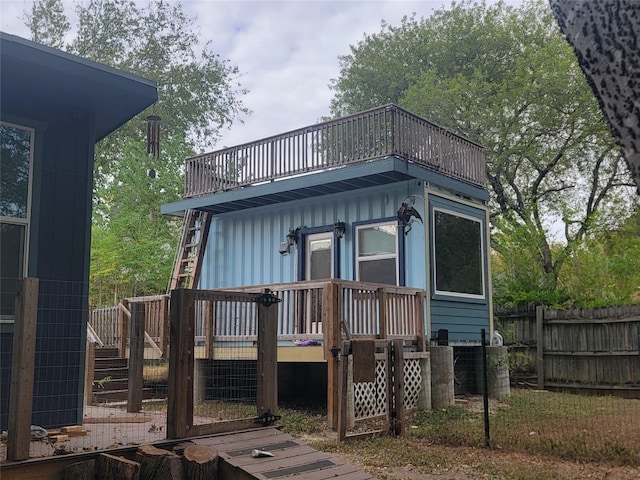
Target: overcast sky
(287, 51)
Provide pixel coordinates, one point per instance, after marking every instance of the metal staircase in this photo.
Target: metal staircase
(186, 269)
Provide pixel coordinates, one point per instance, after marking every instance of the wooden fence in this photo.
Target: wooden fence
(578, 349)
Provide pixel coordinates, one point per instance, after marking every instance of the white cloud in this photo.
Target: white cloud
(287, 51)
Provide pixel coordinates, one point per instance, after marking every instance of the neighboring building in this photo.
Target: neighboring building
(54, 108)
(341, 199)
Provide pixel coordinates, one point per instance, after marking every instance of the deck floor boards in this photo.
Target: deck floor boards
(292, 460)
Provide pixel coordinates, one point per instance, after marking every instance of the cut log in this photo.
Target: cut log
(111, 467)
(178, 449)
(159, 464)
(80, 471)
(200, 462)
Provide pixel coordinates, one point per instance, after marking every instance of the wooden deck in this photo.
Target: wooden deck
(292, 459)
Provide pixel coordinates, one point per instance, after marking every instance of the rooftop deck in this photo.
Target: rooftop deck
(374, 134)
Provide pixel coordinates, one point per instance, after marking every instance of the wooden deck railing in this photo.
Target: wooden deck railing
(358, 138)
(309, 310)
(363, 309)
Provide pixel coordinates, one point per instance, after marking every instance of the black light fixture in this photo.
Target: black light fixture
(339, 229)
(290, 240)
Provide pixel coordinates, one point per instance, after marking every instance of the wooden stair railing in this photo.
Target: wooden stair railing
(186, 269)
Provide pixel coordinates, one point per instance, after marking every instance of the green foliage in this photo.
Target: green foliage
(505, 77)
(133, 245)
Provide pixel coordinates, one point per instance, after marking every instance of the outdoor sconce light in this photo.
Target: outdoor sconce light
(338, 229)
(285, 247)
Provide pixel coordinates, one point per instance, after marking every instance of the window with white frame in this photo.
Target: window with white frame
(377, 253)
(16, 163)
(458, 254)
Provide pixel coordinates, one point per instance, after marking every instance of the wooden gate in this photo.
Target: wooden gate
(379, 384)
(260, 311)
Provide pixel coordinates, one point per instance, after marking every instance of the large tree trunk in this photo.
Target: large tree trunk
(200, 462)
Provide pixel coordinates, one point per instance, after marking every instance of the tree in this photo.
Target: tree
(199, 94)
(504, 77)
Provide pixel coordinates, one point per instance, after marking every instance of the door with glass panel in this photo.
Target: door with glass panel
(318, 265)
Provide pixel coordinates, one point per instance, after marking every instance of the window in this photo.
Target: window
(16, 158)
(377, 253)
(319, 252)
(458, 254)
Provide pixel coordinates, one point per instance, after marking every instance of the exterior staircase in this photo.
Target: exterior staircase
(111, 377)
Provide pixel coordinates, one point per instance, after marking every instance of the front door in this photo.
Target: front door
(318, 260)
(318, 265)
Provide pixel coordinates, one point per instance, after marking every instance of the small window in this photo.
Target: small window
(377, 253)
(16, 155)
(458, 254)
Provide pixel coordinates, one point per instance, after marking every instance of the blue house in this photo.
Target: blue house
(379, 198)
(54, 108)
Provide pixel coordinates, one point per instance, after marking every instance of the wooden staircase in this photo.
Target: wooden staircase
(111, 377)
(186, 270)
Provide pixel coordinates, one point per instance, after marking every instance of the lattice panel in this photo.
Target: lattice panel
(370, 398)
(412, 382)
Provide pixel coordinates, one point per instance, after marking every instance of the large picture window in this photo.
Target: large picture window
(377, 253)
(16, 159)
(458, 254)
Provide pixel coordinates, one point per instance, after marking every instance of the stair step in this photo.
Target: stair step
(111, 362)
(113, 384)
(114, 373)
(107, 352)
(105, 396)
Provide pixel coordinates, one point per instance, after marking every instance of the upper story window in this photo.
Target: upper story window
(458, 257)
(16, 163)
(377, 253)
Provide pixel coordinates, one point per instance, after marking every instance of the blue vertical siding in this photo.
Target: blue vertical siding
(243, 246)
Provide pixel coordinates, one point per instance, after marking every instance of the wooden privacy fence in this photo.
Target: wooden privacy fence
(580, 349)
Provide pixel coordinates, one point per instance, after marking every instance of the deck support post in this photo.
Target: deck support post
(181, 363)
(332, 343)
(22, 368)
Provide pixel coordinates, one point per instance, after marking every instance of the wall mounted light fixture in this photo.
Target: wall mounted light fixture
(290, 240)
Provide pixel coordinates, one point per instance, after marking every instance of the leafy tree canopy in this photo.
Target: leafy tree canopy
(506, 78)
(133, 246)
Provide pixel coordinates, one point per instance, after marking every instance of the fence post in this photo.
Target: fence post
(332, 340)
(22, 368)
(397, 349)
(136, 357)
(267, 394)
(181, 362)
(164, 326)
(540, 345)
(419, 312)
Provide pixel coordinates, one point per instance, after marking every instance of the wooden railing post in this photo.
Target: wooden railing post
(22, 368)
(419, 318)
(136, 357)
(123, 327)
(382, 314)
(164, 326)
(181, 362)
(332, 340)
(267, 394)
